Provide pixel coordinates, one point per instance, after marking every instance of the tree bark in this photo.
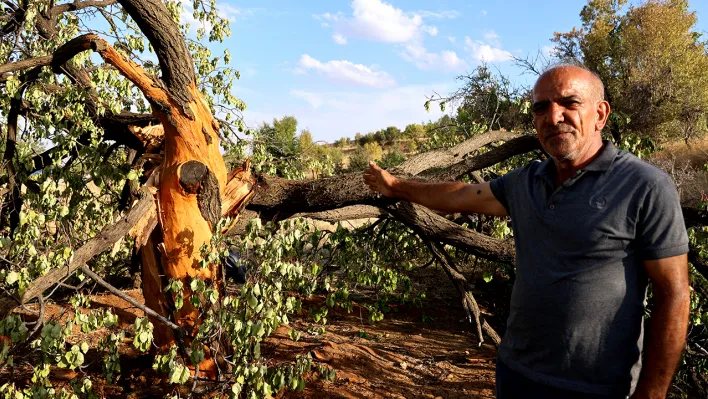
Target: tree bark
(446, 157)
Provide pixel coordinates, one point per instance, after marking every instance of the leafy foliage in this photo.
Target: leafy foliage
(652, 61)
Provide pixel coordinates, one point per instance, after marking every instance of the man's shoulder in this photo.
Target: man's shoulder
(630, 168)
(528, 170)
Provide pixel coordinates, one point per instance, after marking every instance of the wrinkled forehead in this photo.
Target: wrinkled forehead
(564, 82)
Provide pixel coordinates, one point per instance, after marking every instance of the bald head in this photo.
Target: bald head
(597, 88)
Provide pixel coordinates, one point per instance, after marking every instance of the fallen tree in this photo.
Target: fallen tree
(175, 149)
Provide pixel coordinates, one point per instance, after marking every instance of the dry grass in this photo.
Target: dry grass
(686, 165)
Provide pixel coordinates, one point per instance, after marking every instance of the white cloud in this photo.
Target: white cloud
(492, 38)
(225, 11)
(452, 39)
(446, 61)
(339, 39)
(328, 17)
(330, 115)
(347, 71)
(431, 30)
(379, 21)
(450, 14)
(230, 12)
(484, 52)
(484, 13)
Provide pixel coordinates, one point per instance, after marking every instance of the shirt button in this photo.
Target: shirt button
(552, 207)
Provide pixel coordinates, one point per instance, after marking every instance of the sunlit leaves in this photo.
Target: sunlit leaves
(143, 333)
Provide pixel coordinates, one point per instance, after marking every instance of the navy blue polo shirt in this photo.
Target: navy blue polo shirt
(578, 300)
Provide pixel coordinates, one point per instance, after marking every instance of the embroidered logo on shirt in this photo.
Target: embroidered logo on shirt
(598, 202)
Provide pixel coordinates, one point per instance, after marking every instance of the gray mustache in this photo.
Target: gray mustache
(558, 129)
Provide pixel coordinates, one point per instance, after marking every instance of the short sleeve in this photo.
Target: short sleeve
(501, 188)
(661, 232)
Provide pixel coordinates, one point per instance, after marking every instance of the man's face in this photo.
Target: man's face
(568, 112)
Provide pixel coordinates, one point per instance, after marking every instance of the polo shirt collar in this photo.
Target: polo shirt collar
(602, 163)
(607, 156)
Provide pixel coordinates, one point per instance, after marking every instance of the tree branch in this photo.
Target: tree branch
(447, 157)
(108, 236)
(25, 64)
(175, 61)
(275, 195)
(77, 5)
(127, 68)
(347, 213)
(517, 146)
(433, 227)
(115, 291)
(468, 301)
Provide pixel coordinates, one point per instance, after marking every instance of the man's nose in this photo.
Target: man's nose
(555, 114)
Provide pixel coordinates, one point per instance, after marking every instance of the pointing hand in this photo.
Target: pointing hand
(379, 180)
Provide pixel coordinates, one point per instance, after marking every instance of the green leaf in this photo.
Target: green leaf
(12, 277)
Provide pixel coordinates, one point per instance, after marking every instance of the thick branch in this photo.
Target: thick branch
(77, 5)
(346, 213)
(127, 68)
(447, 157)
(108, 236)
(175, 61)
(517, 146)
(25, 64)
(287, 197)
(433, 227)
(70, 49)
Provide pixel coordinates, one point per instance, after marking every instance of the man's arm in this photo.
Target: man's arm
(666, 334)
(447, 197)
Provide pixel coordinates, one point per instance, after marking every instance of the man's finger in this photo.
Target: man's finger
(374, 165)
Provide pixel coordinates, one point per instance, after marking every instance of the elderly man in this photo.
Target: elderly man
(592, 225)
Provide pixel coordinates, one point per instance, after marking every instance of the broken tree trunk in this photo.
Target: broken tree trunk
(192, 178)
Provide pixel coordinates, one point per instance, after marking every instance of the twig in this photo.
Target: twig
(430, 262)
(468, 301)
(4, 259)
(40, 319)
(129, 299)
(196, 376)
(179, 331)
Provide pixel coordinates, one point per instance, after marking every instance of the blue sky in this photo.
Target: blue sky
(342, 67)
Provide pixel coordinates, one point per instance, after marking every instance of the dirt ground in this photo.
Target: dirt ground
(413, 353)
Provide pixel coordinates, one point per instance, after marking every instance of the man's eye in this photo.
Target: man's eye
(540, 108)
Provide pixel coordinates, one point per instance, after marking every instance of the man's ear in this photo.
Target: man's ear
(602, 113)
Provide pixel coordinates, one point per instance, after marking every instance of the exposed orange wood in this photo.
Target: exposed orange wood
(173, 252)
(184, 229)
(134, 72)
(151, 136)
(239, 190)
(153, 291)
